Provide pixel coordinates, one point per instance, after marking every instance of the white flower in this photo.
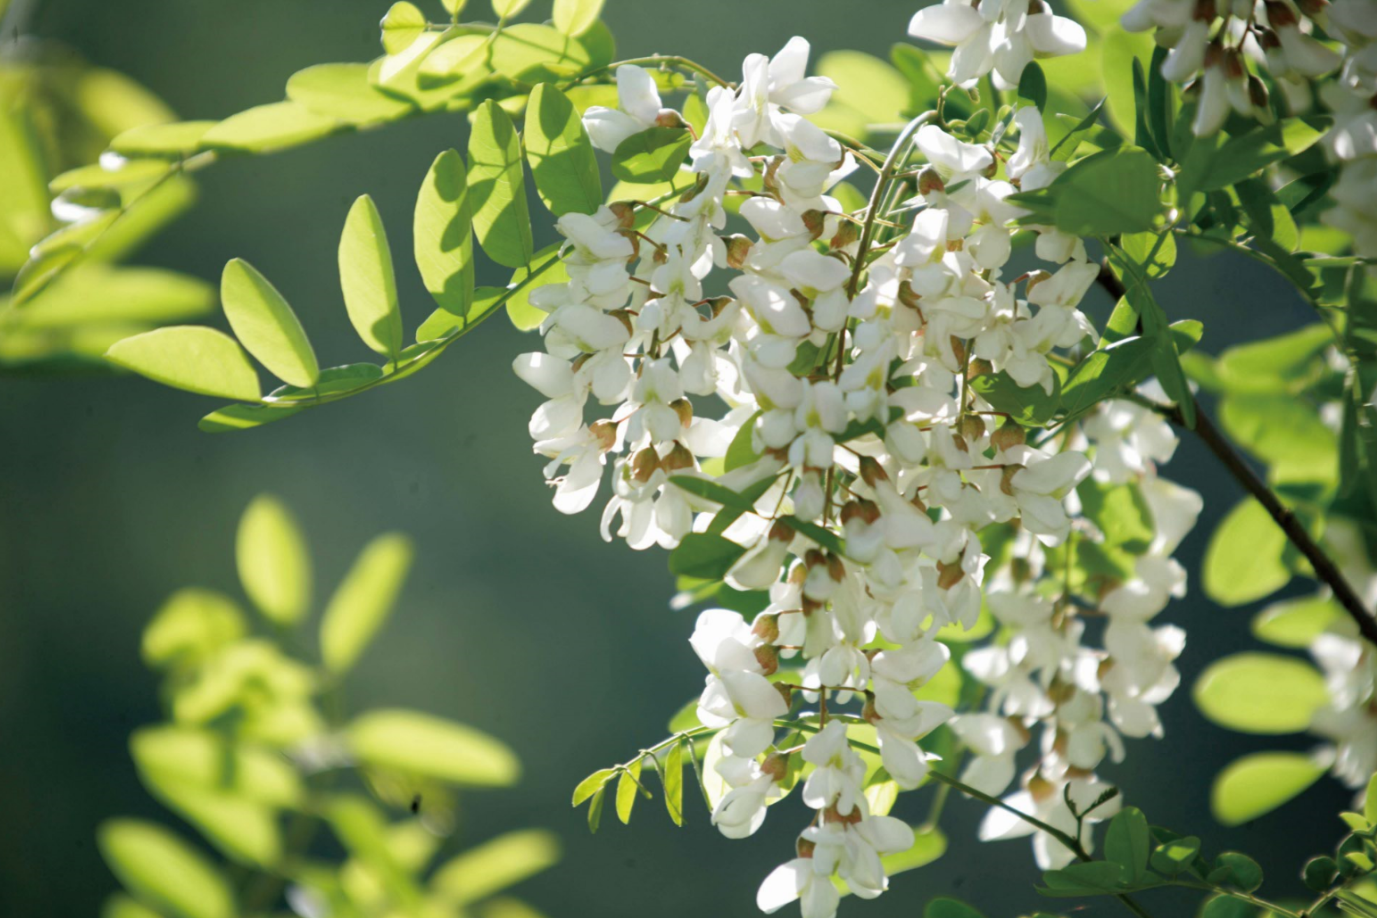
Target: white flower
(638, 107)
(799, 879)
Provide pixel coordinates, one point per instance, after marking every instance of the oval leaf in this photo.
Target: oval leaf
(274, 563)
(497, 189)
(429, 747)
(161, 869)
(574, 17)
(651, 156)
(364, 600)
(443, 234)
(190, 357)
(563, 163)
(266, 325)
(1245, 559)
(366, 276)
(1261, 693)
(1259, 783)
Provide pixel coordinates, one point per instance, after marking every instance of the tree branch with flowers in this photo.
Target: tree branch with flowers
(902, 475)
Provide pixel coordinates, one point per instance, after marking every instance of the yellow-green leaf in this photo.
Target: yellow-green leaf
(1261, 693)
(574, 17)
(191, 625)
(265, 128)
(190, 357)
(363, 601)
(429, 747)
(627, 789)
(274, 562)
(161, 869)
(174, 141)
(563, 163)
(495, 865)
(674, 783)
(266, 325)
(401, 26)
(344, 91)
(369, 284)
(443, 234)
(497, 190)
(507, 8)
(1244, 560)
(1259, 783)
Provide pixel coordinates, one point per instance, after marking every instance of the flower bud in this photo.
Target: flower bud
(1205, 11)
(669, 118)
(1313, 8)
(868, 712)
(835, 569)
(972, 427)
(1041, 788)
(624, 212)
(872, 471)
(847, 234)
(606, 432)
(1257, 92)
(1006, 478)
(684, 408)
(804, 847)
(908, 297)
(949, 575)
(738, 250)
(768, 658)
(864, 510)
(814, 221)
(766, 627)
(1008, 436)
(776, 766)
(832, 815)
(1279, 15)
(929, 181)
(644, 464)
(785, 692)
(978, 368)
(624, 317)
(958, 348)
(678, 458)
(1035, 278)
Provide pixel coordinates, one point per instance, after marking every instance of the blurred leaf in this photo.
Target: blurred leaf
(563, 163)
(1246, 154)
(950, 908)
(1283, 432)
(244, 830)
(703, 555)
(495, 865)
(173, 141)
(403, 24)
(363, 831)
(96, 293)
(368, 281)
(207, 760)
(274, 562)
(265, 128)
(190, 357)
(118, 905)
(426, 746)
(531, 53)
(1261, 693)
(443, 235)
(364, 600)
(1032, 86)
(344, 91)
(505, 9)
(161, 869)
(497, 190)
(927, 847)
(1274, 365)
(574, 17)
(673, 774)
(1296, 622)
(869, 91)
(190, 625)
(243, 417)
(266, 325)
(460, 57)
(131, 172)
(1245, 558)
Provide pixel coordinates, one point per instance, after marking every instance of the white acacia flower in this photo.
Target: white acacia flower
(638, 108)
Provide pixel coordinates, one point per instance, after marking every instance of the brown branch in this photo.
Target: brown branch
(1324, 567)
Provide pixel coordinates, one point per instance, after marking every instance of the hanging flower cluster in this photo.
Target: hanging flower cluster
(847, 349)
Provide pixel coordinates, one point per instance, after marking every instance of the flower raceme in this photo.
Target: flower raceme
(833, 381)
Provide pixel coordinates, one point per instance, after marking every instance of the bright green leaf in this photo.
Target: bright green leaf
(627, 789)
(429, 747)
(651, 156)
(443, 234)
(344, 91)
(364, 600)
(1296, 622)
(495, 865)
(1244, 560)
(161, 869)
(592, 784)
(574, 17)
(1261, 693)
(402, 25)
(192, 624)
(531, 53)
(673, 774)
(368, 281)
(563, 163)
(266, 325)
(497, 190)
(274, 564)
(190, 357)
(265, 128)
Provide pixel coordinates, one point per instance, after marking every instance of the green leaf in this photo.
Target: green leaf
(592, 784)
(595, 809)
(627, 789)
(1261, 693)
(274, 563)
(461, 57)
(824, 537)
(927, 847)
(530, 53)
(574, 17)
(429, 747)
(651, 156)
(265, 128)
(1105, 372)
(1111, 192)
(673, 774)
(443, 235)
(497, 190)
(1296, 622)
(402, 25)
(364, 600)
(1222, 906)
(244, 830)
(869, 91)
(1128, 843)
(1032, 86)
(1089, 878)
(1320, 873)
(1237, 870)
(1283, 432)
(1245, 558)
(131, 172)
(519, 309)
(161, 869)
(1120, 512)
(266, 325)
(344, 91)
(709, 489)
(1283, 364)
(94, 293)
(190, 357)
(1370, 801)
(172, 141)
(505, 9)
(118, 905)
(1249, 153)
(191, 625)
(243, 417)
(205, 759)
(486, 301)
(703, 555)
(950, 908)
(563, 163)
(1175, 856)
(495, 865)
(1032, 406)
(332, 381)
(368, 281)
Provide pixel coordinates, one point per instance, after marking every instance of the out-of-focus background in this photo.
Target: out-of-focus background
(517, 619)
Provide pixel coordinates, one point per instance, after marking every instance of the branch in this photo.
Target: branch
(1325, 568)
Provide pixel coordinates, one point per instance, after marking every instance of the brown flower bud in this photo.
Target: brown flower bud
(917, 501)
(776, 766)
(929, 181)
(835, 569)
(977, 368)
(738, 250)
(785, 692)
(1280, 15)
(972, 427)
(804, 847)
(847, 234)
(814, 221)
(669, 118)
(781, 532)
(908, 297)
(605, 431)
(868, 712)
(1312, 8)
(1234, 68)
(1205, 10)
(768, 658)
(1257, 92)
(1008, 436)
(684, 408)
(864, 510)
(677, 458)
(872, 471)
(1268, 39)
(832, 815)
(766, 627)
(1035, 278)
(1023, 731)
(644, 464)
(949, 575)
(719, 303)
(959, 349)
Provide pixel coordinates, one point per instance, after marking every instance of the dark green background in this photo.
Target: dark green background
(517, 619)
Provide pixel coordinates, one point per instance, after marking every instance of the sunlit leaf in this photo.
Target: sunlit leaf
(176, 140)
(344, 91)
(266, 325)
(497, 190)
(1257, 784)
(443, 235)
(495, 865)
(190, 625)
(563, 163)
(362, 603)
(531, 53)
(190, 357)
(269, 127)
(1261, 693)
(426, 746)
(574, 17)
(274, 563)
(1297, 622)
(161, 869)
(402, 24)
(652, 156)
(96, 293)
(368, 281)
(1245, 558)
(627, 791)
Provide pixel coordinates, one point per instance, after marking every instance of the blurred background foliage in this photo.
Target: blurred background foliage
(517, 620)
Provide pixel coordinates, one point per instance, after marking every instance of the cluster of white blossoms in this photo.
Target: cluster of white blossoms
(996, 35)
(845, 351)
